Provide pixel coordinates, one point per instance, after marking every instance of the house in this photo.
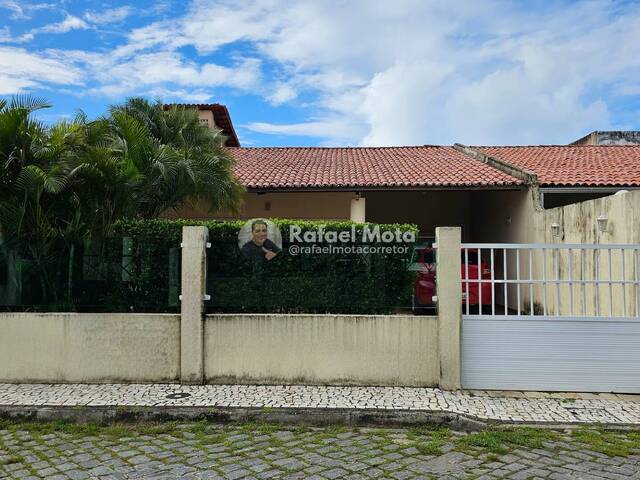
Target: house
(496, 193)
(213, 115)
(609, 138)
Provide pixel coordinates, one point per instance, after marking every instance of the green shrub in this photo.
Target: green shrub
(318, 283)
(138, 269)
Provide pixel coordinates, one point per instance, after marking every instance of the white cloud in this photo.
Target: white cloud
(134, 75)
(18, 11)
(424, 71)
(6, 37)
(5, 34)
(430, 72)
(180, 95)
(401, 104)
(337, 129)
(112, 15)
(282, 93)
(69, 23)
(21, 70)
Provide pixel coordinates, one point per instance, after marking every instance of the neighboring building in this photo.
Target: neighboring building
(214, 114)
(609, 138)
(574, 173)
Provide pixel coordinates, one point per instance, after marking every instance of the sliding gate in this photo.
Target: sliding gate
(553, 317)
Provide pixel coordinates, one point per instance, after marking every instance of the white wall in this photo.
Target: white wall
(578, 224)
(101, 348)
(514, 217)
(105, 348)
(322, 349)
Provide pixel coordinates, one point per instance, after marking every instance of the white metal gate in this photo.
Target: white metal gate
(551, 317)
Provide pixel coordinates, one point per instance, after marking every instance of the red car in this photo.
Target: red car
(424, 285)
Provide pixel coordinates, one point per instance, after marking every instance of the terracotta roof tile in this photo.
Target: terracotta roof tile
(575, 165)
(315, 167)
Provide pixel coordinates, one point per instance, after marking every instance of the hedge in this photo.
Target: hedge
(138, 269)
(318, 283)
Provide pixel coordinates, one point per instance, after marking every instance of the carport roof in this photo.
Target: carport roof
(365, 168)
(574, 165)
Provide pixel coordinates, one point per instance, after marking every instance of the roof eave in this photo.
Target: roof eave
(390, 188)
(232, 139)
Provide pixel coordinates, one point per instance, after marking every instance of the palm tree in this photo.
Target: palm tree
(71, 182)
(180, 159)
(31, 186)
(19, 136)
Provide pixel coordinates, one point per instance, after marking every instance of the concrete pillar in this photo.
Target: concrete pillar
(358, 209)
(194, 282)
(449, 292)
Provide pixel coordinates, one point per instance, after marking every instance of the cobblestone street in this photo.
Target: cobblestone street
(201, 450)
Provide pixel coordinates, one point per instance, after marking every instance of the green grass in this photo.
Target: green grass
(501, 441)
(608, 442)
(429, 439)
(12, 459)
(261, 428)
(336, 429)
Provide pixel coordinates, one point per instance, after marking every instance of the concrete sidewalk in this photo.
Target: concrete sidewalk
(333, 403)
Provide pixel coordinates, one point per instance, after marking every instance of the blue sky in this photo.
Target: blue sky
(340, 72)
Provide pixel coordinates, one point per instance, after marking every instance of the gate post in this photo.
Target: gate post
(194, 284)
(449, 293)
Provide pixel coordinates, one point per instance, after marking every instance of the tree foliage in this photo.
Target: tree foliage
(71, 181)
(78, 177)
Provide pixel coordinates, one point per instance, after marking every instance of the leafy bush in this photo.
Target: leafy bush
(319, 283)
(138, 269)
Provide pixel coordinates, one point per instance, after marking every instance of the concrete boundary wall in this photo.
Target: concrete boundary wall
(322, 349)
(89, 347)
(250, 348)
(257, 348)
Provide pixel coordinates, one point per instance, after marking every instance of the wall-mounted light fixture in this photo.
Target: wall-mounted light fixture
(602, 222)
(555, 230)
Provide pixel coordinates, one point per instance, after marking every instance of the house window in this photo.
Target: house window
(204, 121)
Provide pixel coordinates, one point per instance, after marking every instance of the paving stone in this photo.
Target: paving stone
(334, 473)
(447, 462)
(352, 454)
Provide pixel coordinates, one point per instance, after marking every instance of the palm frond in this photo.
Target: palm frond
(28, 103)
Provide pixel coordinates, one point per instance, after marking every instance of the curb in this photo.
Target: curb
(282, 416)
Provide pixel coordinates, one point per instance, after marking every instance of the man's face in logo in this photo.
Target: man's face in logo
(259, 233)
